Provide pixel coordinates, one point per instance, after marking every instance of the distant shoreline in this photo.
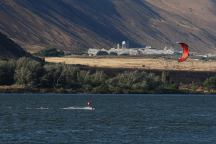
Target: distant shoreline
(72, 77)
(20, 89)
(60, 91)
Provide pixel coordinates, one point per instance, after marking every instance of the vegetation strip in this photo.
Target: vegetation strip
(28, 75)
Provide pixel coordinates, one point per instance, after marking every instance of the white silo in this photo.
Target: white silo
(124, 44)
(118, 46)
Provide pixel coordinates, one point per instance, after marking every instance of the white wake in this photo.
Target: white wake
(39, 108)
(78, 108)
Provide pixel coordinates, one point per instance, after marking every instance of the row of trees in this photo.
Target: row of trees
(51, 52)
(33, 74)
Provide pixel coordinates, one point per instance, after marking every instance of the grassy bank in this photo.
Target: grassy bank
(22, 89)
(26, 75)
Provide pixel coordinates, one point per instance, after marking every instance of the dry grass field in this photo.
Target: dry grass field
(137, 63)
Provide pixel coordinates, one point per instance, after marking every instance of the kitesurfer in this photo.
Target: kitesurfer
(185, 54)
(89, 104)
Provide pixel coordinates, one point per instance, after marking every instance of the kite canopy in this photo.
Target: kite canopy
(185, 54)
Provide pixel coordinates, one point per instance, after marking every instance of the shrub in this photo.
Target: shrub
(113, 54)
(51, 52)
(51, 75)
(98, 78)
(102, 53)
(210, 83)
(135, 80)
(28, 72)
(95, 79)
(7, 69)
(60, 76)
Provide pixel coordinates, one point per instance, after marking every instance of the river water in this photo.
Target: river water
(117, 119)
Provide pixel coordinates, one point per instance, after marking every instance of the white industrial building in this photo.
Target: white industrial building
(131, 51)
(125, 50)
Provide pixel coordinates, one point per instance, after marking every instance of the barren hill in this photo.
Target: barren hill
(9, 49)
(79, 24)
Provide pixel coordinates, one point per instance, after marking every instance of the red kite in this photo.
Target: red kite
(185, 54)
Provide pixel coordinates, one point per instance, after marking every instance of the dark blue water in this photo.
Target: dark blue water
(134, 119)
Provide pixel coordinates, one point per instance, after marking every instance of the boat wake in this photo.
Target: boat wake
(66, 108)
(78, 108)
(39, 108)
(42, 108)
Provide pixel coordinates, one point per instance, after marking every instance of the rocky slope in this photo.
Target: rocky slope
(9, 49)
(75, 25)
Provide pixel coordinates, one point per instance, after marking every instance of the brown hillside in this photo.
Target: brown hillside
(9, 49)
(79, 24)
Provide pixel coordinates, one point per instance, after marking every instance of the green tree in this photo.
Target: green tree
(210, 83)
(135, 80)
(60, 76)
(98, 78)
(7, 70)
(28, 72)
(52, 75)
(51, 52)
(69, 76)
(83, 77)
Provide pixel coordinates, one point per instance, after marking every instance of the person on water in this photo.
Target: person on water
(89, 104)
